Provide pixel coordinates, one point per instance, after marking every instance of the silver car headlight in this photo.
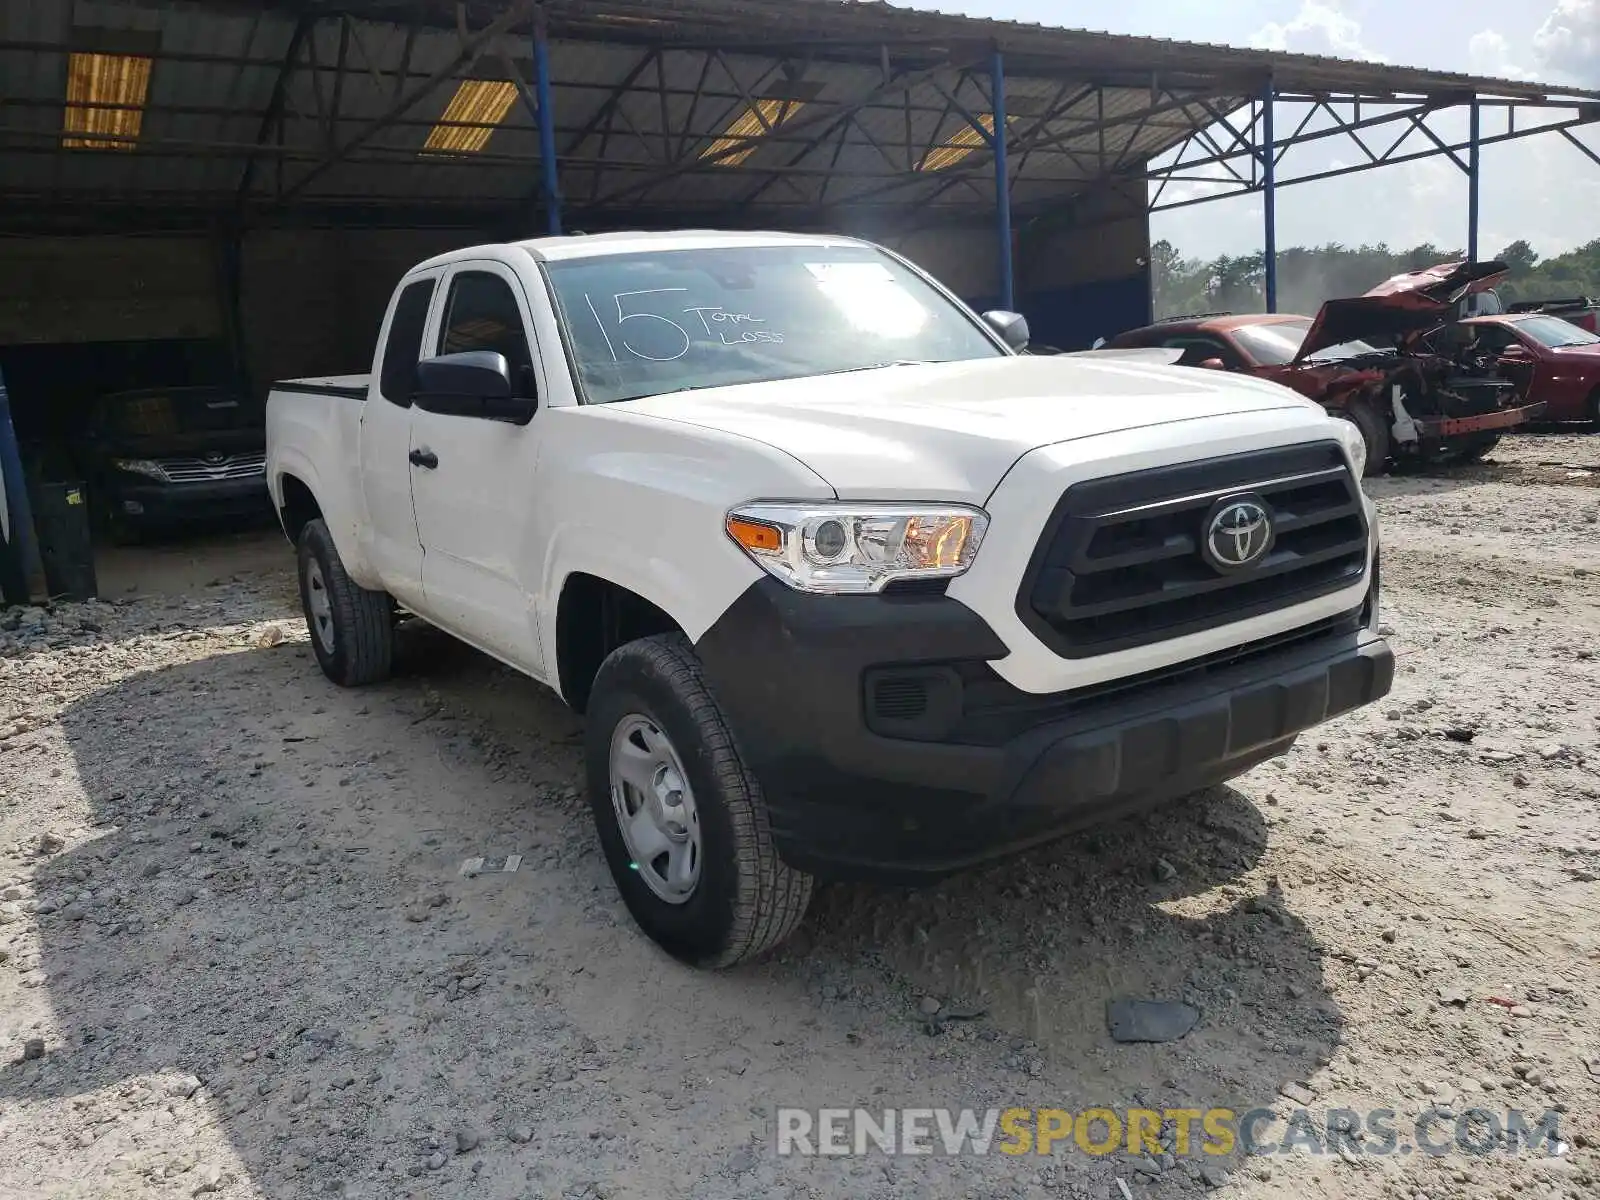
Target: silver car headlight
(854, 549)
(141, 466)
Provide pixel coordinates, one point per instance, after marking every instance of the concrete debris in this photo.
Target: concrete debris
(1149, 1020)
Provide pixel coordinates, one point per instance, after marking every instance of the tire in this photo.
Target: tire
(352, 629)
(1374, 432)
(650, 702)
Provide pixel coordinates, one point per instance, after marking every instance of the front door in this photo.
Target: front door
(472, 479)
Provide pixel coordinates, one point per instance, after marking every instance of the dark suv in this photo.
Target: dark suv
(161, 458)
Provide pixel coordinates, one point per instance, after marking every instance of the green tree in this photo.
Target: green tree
(1519, 256)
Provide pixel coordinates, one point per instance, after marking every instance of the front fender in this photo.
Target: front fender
(693, 588)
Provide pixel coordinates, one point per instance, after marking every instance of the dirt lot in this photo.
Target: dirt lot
(238, 957)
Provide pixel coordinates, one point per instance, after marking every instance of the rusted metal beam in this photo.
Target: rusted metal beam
(1562, 127)
(613, 99)
(468, 53)
(280, 91)
(338, 82)
(829, 121)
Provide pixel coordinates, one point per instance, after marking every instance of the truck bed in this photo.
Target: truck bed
(353, 387)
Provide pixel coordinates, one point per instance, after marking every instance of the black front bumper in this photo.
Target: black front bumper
(857, 790)
(185, 503)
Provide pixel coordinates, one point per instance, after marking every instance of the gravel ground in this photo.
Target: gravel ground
(238, 955)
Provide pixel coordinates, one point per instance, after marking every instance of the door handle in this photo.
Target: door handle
(424, 458)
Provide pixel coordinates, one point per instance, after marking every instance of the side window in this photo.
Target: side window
(1492, 339)
(1197, 350)
(397, 378)
(482, 314)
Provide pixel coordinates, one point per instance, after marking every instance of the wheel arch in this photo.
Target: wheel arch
(594, 616)
(297, 505)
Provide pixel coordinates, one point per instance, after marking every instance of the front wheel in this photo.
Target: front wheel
(680, 817)
(352, 628)
(1374, 432)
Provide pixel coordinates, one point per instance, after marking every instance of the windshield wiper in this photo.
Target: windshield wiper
(691, 387)
(695, 387)
(898, 362)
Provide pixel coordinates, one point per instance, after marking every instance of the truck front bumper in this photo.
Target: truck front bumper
(889, 750)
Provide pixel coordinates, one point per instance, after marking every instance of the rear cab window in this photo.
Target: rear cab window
(397, 376)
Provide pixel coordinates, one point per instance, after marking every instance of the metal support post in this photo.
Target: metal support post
(19, 551)
(547, 126)
(1269, 198)
(1002, 184)
(1473, 153)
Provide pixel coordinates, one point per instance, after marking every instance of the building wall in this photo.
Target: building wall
(312, 300)
(1088, 275)
(103, 289)
(1080, 275)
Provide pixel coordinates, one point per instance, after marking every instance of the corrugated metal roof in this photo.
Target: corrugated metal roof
(639, 93)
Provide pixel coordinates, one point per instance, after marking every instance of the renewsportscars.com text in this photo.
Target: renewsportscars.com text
(1139, 1131)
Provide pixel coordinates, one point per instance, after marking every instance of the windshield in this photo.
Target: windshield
(1553, 331)
(1277, 342)
(180, 411)
(643, 324)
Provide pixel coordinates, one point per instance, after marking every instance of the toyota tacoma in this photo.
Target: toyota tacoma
(845, 584)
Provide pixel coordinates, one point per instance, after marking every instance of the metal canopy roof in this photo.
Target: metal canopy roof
(288, 111)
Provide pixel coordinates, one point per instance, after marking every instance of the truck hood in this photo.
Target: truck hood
(1411, 302)
(950, 431)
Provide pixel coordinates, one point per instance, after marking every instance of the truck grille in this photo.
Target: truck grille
(209, 470)
(1123, 560)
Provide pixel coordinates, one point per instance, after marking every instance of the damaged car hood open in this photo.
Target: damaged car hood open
(1412, 302)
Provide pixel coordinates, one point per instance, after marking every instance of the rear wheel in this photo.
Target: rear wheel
(352, 628)
(680, 817)
(1374, 432)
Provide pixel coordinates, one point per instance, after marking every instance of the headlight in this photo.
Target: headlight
(857, 548)
(1355, 445)
(140, 466)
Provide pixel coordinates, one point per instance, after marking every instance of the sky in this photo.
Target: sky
(1540, 189)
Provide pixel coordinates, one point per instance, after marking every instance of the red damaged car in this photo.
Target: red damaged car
(1552, 360)
(1369, 359)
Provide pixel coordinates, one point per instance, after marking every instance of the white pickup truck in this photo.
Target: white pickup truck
(845, 585)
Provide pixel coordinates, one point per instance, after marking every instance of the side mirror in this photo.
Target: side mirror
(1514, 352)
(1012, 327)
(474, 383)
(1212, 364)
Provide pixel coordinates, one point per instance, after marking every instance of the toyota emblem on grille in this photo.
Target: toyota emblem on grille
(1238, 533)
(214, 456)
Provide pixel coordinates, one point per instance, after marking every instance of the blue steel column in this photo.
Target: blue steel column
(1002, 184)
(547, 126)
(1472, 181)
(1269, 199)
(19, 554)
